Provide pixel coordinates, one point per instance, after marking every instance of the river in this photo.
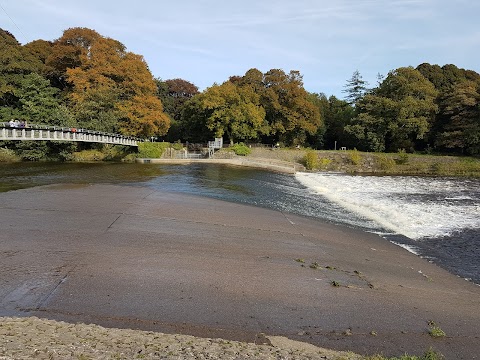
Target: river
(436, 218)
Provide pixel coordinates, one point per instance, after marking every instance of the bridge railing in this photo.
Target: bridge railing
(20, 131)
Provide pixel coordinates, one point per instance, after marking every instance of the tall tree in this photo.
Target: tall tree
(398, 114)
(174, 93)
(289, 113)
(107, 72)
(67, 52)
(461, 130)
(338, 114)
(15, 63)
(234, 112)
(40, 103)
(355, 88)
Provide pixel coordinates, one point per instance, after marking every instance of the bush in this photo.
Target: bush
(402, 157)
(177, 146)
(88, 155)
(32, 150)
(311, 160)
(152, 150)
(385, 162)
(355, 157)
(241, 149)
(8, 155)
(324, 163)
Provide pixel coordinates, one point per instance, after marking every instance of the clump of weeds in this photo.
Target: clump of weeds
(434, 330)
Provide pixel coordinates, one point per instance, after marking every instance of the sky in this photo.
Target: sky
(207, 41)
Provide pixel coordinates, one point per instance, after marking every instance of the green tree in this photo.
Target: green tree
(289, 113)
(338, 114)
(355, 88)
(39, 102)
(15, 63)
(174, 93)
(397, 114)
(194, 120)
(461, 129)
(233, 111)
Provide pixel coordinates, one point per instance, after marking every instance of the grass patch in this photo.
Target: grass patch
(428, 355)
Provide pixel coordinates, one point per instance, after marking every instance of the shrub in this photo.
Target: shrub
(8, 155)
(311, 160)
(32, 150)
(152, 150)
(177, 146)
(324, 163)
(241, 149)
(385, 162)
(355, 157)
(88, 155)
(402, 157)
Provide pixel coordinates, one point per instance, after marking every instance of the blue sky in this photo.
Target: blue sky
(206, 41)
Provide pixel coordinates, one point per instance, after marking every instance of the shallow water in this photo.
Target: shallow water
(437, 218)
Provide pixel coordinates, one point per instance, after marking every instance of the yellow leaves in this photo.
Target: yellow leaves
(144, 116)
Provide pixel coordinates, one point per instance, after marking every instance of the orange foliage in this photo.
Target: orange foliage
(104, 65)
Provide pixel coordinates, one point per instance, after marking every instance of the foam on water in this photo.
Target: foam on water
(416, 207)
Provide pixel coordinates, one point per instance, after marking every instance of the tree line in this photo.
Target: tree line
(84, 79)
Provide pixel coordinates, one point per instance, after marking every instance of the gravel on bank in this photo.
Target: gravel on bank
(34, 338)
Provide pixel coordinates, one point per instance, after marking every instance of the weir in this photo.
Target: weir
(55, 133)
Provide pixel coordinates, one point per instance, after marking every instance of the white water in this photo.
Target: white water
(415, 207)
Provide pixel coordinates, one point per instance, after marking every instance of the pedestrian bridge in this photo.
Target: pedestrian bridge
(21, 132)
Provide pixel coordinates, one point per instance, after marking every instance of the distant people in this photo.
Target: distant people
(11, 123)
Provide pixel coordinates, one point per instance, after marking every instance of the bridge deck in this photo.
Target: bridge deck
(55, 133)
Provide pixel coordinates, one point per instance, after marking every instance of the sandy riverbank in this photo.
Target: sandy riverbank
(134, 258)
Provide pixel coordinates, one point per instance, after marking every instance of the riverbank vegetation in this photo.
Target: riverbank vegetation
(86, 80)
(357, 162)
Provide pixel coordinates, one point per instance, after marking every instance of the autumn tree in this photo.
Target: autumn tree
(118, 80)
(290, 116)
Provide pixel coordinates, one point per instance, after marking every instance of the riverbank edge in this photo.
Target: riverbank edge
(32, 337)
(261, 163)
(290, 161)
